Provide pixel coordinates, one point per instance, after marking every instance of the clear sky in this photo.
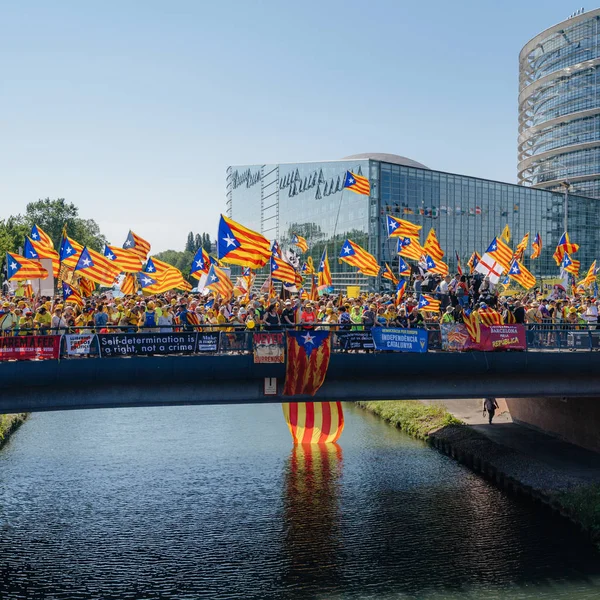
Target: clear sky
(133, 110)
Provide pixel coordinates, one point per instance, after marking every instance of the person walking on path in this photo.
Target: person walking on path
(489, 405)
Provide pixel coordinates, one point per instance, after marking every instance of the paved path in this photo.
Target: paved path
(553, 452)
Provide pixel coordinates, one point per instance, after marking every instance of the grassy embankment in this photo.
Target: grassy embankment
(9, 424)
(414, 418)
(584, 505)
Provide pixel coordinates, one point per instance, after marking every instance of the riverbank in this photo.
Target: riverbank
(569, 488)
(9, 424)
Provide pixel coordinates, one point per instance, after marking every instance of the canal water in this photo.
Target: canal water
(214, 502)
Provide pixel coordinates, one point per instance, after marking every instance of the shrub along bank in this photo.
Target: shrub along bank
(9, 424)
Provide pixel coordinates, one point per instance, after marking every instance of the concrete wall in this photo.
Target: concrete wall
(576, 420)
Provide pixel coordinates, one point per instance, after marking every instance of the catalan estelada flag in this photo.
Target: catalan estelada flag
(299, 241)
(38, 235)
(570, 265)
(521, 275)
(472, 262)
(403, 268)
(472, 324)
(410, 248)
(314, 422)
(95, 267)
(389, 274)
(357, 183)
(129, 285)
(219, 282)
(432, 246)
(307, 362)
(70, 295)
(201, 264)
(126, 261)
(501, 253)
(19, 268)
(536, 246)
(138, 245)
(355, 255)
(564, 247)
(488, 316)
(521, 247)
(590, 278)
(69, 251)
(458, 265)
(400, 291)
(166, 276)
(86, 287)
(239, 245)
(324, 273)
(428, 303)
(282, 270)
(276, 249)
(36, 250)
(401, 228)
(436, 266)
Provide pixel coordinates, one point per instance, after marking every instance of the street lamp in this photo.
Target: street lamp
(566, 185)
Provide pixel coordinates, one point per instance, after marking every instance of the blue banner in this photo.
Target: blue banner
(400, 340)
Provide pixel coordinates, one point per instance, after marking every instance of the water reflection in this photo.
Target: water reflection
(312, 515)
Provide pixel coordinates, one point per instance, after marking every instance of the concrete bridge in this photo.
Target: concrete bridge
(30, 386)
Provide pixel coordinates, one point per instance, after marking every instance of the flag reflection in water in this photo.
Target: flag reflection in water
(312, 515)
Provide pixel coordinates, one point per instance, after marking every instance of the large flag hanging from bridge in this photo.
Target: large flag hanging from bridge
(239, 245)
(314, 422)
(308, 355)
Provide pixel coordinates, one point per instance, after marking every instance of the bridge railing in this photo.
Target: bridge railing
(224, 339)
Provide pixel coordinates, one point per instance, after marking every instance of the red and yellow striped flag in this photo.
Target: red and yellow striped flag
(129, 285)
(314, 422)
(401, 228)
(126, 261)
(239, 245)
(299, 241)
(357, 183)
(410, 248)
(37, 250)
(136, 244)
(488, 316)
(432, 246)
(389, 274)
(308, 355)
(590, 278)
(18, 268)
(501, 253)
(521, 247)
(355, 255)
(39, 236)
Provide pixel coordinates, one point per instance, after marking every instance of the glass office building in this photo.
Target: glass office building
(466, 212)
(559, 107)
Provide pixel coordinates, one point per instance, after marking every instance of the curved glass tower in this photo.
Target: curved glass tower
(559, 107)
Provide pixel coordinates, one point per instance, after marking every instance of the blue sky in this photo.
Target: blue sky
(133, 110)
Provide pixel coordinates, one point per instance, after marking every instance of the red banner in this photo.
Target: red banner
(499, 337)
(456, 338)
(27, 347)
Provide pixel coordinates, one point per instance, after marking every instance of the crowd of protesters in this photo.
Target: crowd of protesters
(264, 311)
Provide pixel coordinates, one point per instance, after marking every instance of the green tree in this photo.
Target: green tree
(206, 243)
(198, 241)
(190, 245)
(53, 215)
(12, 235)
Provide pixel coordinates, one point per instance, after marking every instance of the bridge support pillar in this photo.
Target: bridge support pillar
(576, 420)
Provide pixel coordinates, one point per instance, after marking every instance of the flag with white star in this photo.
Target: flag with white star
(355, 255)
(357, 183)
(19, 268)
(200, 264)
(308, 353)
(95, 267)
(138, 245)
(239, 245)
(126, 261)
(38, 235)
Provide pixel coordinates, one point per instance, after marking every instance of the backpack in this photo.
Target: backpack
(150, 319)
